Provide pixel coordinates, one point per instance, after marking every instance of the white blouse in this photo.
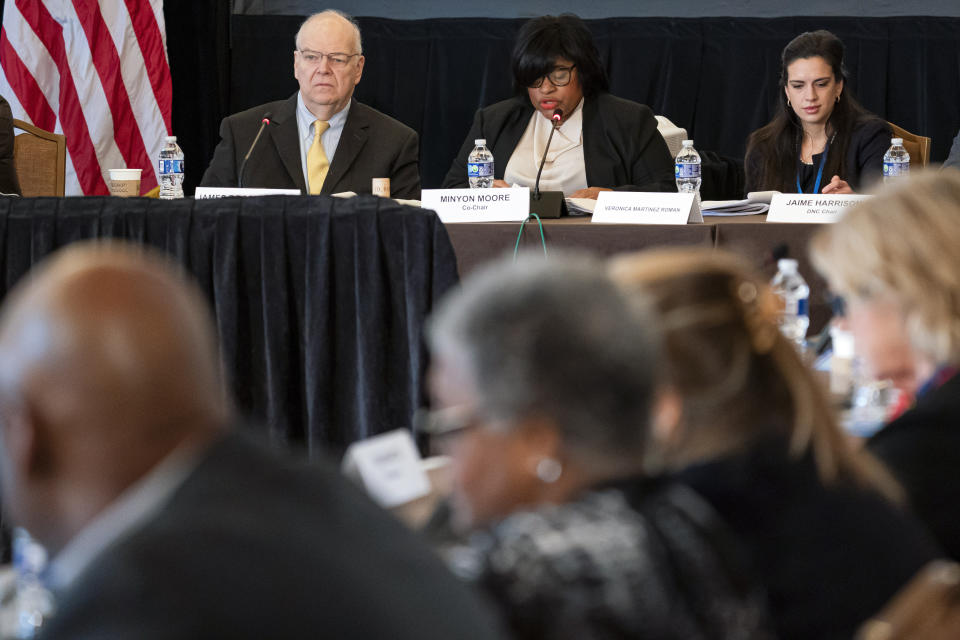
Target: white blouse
(564, 169)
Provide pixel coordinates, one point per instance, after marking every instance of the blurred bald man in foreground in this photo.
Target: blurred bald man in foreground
(117, 455)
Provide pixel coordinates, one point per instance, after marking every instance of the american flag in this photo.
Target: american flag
(96, 72)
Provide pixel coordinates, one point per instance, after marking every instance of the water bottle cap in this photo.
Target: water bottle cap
(787, 264)
(480, 142)
(171, 138)
(687, 143)
(896, 141)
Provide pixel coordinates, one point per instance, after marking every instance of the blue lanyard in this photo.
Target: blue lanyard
(823, 161)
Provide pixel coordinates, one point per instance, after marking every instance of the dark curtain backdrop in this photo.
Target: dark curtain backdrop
(319, 302)
(715, 76)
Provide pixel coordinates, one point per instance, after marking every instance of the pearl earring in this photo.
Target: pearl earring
(549, 470)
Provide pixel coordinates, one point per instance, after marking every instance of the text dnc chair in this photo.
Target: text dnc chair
(40, 158)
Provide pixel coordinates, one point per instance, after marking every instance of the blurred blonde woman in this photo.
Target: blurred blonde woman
(896, 259)
(757, 439)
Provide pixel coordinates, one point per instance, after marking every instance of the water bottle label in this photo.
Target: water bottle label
(479, 169)
(687, 170)
(171, 166)
(796, 306)
(895, 169)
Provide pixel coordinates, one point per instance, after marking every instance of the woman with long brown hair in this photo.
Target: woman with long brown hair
(756, 437)
(821, 140)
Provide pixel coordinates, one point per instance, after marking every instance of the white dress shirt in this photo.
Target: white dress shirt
(564, 169)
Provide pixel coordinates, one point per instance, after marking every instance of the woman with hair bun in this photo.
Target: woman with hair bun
(757, 438)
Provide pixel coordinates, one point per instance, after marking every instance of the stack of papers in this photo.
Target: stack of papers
(733, 207)
(581, 206)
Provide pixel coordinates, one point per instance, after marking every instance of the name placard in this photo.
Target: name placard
(478, 205)
(388, 466)
(205, 193)
(640, 207)
(801, 207)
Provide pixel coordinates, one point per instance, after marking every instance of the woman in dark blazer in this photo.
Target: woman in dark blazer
(821, 140)
(896, 254)
(602, 142)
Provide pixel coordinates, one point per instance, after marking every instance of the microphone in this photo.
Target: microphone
(243, 165)
(555, 118)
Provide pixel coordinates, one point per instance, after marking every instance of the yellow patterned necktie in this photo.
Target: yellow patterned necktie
(317, 163)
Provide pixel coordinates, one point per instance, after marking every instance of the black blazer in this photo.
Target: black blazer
(254, 547)
(9, 183)
(922, 449)
(830, 556)
(863, 167)
(622, 148)
(372, 145)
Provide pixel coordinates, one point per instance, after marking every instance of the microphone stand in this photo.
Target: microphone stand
(549, 204)
(243, 165)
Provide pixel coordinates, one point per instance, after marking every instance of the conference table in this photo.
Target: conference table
(749, 236)
(320, 303)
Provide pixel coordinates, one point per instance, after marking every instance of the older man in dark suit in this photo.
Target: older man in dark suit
(319, 140)
(115, 454)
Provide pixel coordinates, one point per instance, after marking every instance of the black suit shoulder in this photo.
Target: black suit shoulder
(9, 182)
(922, 450)
(869, 142)
(254, 547)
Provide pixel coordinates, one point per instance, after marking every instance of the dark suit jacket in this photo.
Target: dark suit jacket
(372, 145)
(622, 148)
(953, 160)
(922, 449)
(9, 183)
(252, 547)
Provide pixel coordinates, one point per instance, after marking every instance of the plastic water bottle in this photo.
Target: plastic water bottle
(480, 166)
(896, 161)
(687, 169)
(171, 170)
(34, 603)
(793, 289)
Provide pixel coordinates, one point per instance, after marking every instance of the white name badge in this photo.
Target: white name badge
(205, 193)
(640, 207)
(478, 205)
(389, 468)
(801, 207)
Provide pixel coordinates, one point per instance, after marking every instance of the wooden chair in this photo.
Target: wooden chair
(917, 146)
(927, 608)
(40, 158)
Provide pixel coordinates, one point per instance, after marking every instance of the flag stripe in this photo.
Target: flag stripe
(145, 108)
(126, 132)
(96, 71)
(25, 87)
(154, 54)
(79, 143)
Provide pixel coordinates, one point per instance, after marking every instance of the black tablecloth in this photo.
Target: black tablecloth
(319, 302)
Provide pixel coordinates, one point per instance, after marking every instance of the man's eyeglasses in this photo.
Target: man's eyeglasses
(559, 77)
(336, 60)
(442, 422)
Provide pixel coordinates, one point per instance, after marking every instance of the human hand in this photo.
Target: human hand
(589, 192)
(501, 184)
(837, 186)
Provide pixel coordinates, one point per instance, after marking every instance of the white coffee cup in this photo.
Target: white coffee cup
(125, 183)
